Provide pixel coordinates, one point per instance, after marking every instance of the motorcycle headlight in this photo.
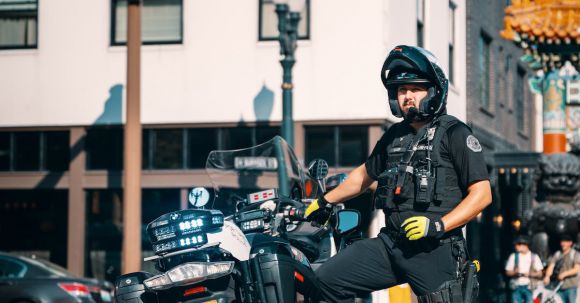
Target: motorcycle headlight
(189, 273)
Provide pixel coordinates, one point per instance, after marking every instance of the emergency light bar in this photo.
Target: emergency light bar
(262, 196)
(183, 229)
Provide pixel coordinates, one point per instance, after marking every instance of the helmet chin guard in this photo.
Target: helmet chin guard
(407, 65)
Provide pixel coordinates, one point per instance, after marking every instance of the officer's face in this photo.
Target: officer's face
(410, 95)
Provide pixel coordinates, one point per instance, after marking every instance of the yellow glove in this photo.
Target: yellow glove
(418, 227)
(318, 211)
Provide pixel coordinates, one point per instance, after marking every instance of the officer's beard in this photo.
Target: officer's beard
(412, 114)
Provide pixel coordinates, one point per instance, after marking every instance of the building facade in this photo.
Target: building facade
(503, 114)
(210, 80)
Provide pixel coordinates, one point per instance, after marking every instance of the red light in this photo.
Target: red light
(309, 187)
(195, 290)
(299, 277)
(398, 49)
(75, 289)
(398, 190)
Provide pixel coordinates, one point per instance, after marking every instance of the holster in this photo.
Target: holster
(449, 292)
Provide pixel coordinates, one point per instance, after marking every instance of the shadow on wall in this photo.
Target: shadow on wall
(263, 104)
(111, 115)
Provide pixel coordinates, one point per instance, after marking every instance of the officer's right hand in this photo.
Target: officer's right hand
(318, 211)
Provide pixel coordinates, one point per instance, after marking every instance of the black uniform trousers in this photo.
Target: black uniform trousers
(378, 263)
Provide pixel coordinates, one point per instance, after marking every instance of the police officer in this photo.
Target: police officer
(432, 180)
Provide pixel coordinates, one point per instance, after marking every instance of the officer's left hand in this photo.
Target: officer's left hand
(418, 227)
(318, 211)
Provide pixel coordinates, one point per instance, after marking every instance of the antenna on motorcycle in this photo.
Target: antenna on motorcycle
(318, 170)
(198, 197)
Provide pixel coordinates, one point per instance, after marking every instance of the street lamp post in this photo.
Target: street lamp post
(288, 12)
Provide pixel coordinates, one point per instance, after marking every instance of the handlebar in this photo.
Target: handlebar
(295, 213)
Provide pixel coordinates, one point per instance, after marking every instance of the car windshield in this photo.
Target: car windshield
(236, 173)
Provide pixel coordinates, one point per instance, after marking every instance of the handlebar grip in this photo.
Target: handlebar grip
(296, 213)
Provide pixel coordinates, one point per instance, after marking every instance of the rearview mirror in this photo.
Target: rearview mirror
(347, 221)
(318, 169)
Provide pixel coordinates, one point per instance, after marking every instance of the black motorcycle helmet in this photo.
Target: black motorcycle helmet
(411, 64)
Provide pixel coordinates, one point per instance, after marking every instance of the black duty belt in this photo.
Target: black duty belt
(396, 235)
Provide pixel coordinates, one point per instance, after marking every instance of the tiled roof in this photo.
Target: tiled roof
(548, 30)
(558, 20)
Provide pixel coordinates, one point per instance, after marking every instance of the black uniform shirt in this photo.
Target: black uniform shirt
(458, 146)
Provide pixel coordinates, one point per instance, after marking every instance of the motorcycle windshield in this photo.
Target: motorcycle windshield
(236, 173)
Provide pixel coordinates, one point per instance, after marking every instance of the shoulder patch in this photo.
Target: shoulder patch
(473, 143)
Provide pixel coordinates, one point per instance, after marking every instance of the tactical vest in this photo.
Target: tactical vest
(416, 177)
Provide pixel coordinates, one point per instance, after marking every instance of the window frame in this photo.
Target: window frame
(484, 53)
(41, 153)
(148, 154)
(420, 26)
(336, 138)
(451, 49)
(262, 38)
(35, 45)
(114, 26)
(520, 99)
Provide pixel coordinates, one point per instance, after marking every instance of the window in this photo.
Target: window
(27, 151)
(268, 24)
(189, 147)
(484, 76)
(320, 143)
(520, 93)
(104, 148)
(236, 138)
(5, 151)
(40, 219)
(507, 76)
(420, 22)
(18, 24)
(57, 151)
(200, 142)
(34, 151)
(10, 269)
(167, 148)
(161, 22)
(104, 233)
(451, 41)
(104, 222)
(338, 145)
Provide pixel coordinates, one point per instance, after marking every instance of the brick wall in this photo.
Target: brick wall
(496, 124)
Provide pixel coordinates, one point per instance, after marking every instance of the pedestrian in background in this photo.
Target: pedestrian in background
(523, 267)
(564, 267)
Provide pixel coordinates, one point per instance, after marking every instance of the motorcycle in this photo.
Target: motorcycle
(255, 248)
